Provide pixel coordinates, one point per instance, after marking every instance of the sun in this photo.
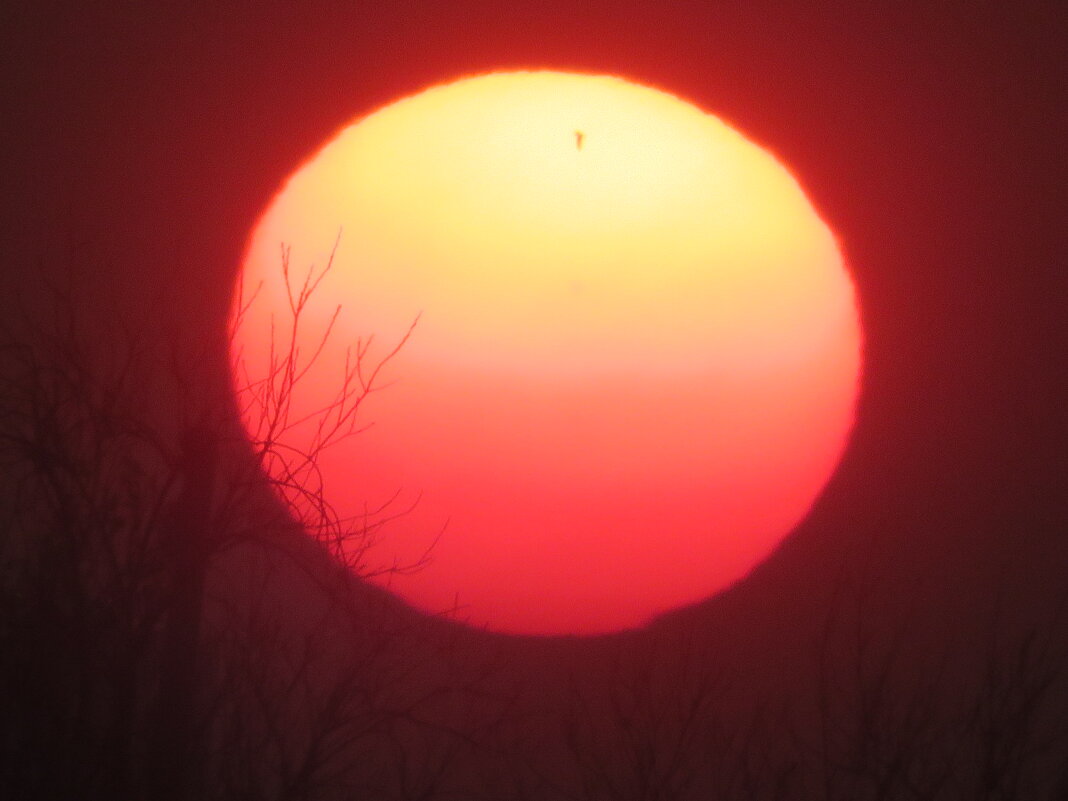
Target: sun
(636, 360)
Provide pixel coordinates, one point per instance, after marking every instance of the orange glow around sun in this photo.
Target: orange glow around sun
(636, 360)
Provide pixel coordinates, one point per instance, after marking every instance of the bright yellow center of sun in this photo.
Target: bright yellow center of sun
(637, 358)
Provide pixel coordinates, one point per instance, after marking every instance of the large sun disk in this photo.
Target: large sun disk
(636, 358)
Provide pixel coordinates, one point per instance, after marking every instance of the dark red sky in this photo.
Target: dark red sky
(927, 135)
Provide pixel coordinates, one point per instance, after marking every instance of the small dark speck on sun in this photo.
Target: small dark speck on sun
(579, 136)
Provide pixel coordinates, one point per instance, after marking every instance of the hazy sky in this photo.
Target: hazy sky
(153, 137)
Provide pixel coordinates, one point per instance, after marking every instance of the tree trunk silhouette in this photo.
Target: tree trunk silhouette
(173, 760)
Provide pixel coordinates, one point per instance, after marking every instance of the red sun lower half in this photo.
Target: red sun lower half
(636, 358)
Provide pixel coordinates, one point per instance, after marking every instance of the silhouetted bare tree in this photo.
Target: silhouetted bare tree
(880, 720)
(163, 633)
